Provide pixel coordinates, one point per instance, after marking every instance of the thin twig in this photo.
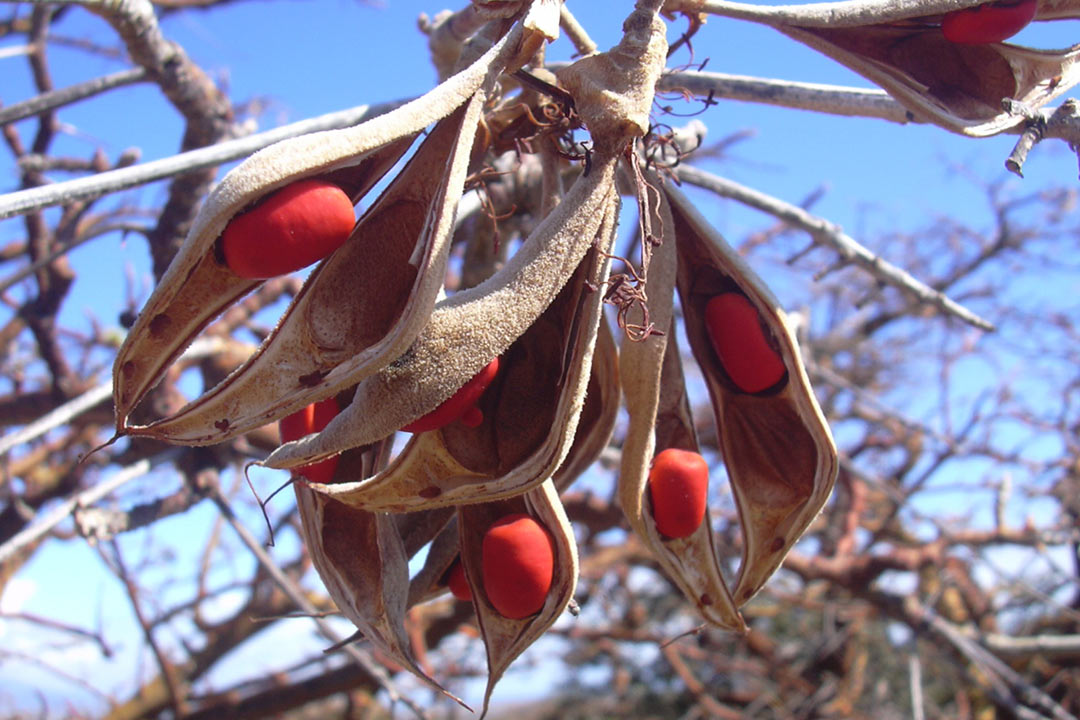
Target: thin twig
(28, 270)
(168, 670)
(826, 233)
(1004, 681)
(1047, 647)
(577, 34)
(86, 188)
(74, 93)
(915, 680)
(57, 418)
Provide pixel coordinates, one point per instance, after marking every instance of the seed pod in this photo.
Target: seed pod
(353, 315)
(778, 450)
(362, 561)
(518, 558)
(288, 230)
(530, 415)
(902, 49)
(196, 287)
(309, 420)
(661, 419)
(506, 638)
(678, 489)
(991, 22)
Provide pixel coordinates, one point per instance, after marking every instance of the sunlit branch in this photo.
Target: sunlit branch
(817, 97)
(25, 201)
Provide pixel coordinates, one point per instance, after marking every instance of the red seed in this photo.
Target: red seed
(295, 226)
(739, 340)
(458, 583)
(678, 487)
(461, 404)
(988, 23)
(311, 419)
(518, 559)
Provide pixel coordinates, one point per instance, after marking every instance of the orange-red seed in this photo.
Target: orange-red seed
(518, 562)
(988, 23)
(458, 583)
(678, 488)
(460, 405)
(295, 226)
(734, 328)
(311, 419)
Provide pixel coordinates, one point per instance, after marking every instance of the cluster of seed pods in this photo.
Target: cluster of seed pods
(509, 388)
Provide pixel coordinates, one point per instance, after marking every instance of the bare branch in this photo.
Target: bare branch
(24, 201)
(69, 95)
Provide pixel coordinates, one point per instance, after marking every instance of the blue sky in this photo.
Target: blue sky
(302, 59)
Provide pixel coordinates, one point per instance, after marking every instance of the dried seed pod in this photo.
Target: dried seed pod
(506, 638)
(353, 315)
(530, 414)
(776, 445)
(197, 287)
(959, 87)
(901, 47)
(645, 368)
(362, 561)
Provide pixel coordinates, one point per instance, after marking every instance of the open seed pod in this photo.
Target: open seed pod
(959, 87)
(775, 443)
(530, 414)
(363, 562)
(690, 561)
(613, 93)
(359, 309)
(197, 286)
(901, 47)
(505, 638)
